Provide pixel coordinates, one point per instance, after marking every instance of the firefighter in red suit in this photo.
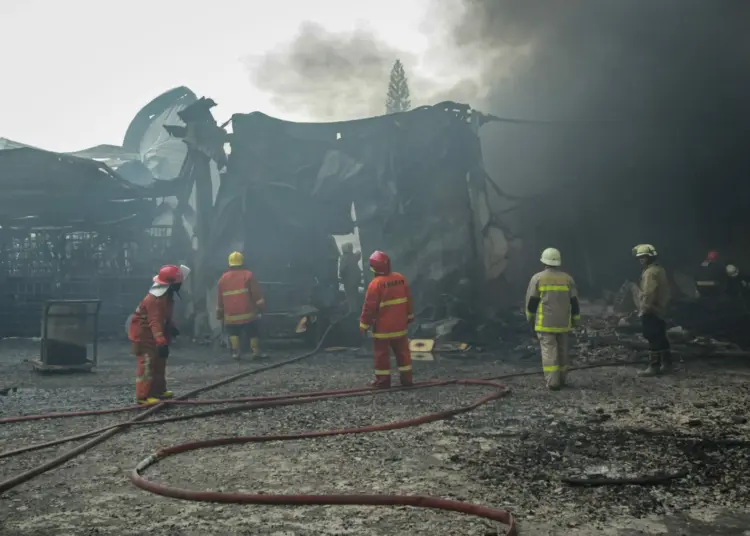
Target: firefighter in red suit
(151, 330)
(388, 311)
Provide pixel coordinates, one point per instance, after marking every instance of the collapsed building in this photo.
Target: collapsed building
(415, 180)
(94, 223)
(183, 189)
(280, 191)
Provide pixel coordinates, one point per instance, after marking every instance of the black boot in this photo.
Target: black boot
(666, 362)
(653, 365)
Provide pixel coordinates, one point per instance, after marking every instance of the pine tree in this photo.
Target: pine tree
(397, 99)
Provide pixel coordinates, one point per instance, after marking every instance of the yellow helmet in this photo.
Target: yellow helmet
(236, 259)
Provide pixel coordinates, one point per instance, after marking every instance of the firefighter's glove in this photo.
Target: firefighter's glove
(163, 351)
(161, 341)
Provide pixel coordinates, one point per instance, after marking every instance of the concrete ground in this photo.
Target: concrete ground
(511, 453)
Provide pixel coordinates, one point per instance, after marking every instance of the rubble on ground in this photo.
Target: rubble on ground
(513, 453)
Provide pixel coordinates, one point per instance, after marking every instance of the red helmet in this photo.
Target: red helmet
(380, 263)
(712, 256)
(169, 275)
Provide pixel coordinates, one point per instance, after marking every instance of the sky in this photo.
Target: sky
(75, 72)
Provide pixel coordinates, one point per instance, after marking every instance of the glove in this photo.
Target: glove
(163, 351)
(161, 341)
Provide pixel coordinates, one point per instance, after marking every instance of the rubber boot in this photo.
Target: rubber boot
(653, 366)
(381, 383)
(255, 347)
(167, 395)
(234, 342)
(666, 362)
(149, 400)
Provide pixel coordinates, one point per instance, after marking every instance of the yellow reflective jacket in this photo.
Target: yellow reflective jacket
(555, 292)
(654, 296)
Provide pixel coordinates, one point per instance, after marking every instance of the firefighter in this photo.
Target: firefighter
(711, 278)
(388, 312)
(737, 283)
(652, 308)
(350, 275)
(151, 330)
(240, 303)
(552, 308)
(738, 290)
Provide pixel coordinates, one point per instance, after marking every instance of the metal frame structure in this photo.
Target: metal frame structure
(41, 364)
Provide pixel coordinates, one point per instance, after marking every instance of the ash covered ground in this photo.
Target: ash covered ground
(511, 453)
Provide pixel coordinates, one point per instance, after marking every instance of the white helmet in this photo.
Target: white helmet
(551, 257)
(644, 250)
(732, 270)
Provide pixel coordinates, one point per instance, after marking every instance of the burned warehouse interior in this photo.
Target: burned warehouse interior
(552, 247)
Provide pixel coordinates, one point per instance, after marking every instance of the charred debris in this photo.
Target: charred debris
(278, 190)
(182, 188)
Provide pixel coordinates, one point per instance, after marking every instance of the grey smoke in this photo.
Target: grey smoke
(328, 75)
(661, 70)
(665, 85)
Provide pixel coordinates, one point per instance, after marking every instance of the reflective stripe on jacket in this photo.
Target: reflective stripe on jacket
(654, 296)
(710, 274)
(239, 297)
(388, 308)
(151, 319)
(554, 289)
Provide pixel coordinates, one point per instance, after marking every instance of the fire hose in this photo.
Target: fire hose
(494, 514)
(252, 403)
(104, 434)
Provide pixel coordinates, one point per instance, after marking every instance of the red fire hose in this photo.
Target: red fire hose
(252, 403)
(108, 432)
(255, 403)
(494, 514)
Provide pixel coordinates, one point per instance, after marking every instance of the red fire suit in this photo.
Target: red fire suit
(240, 298)
(150, 329)
(239, 302)
(388, 311)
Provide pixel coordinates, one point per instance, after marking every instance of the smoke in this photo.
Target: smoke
(658, 93)
(671, 74)
(328, 76)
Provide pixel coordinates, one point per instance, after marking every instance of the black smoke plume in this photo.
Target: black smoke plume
(653, 103)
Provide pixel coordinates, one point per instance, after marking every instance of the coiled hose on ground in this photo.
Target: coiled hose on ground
(251, 403)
